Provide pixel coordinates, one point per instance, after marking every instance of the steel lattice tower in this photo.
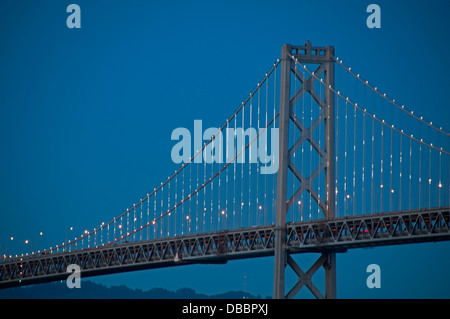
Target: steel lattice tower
(323, 57)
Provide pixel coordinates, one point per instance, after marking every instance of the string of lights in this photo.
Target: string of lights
(127, 230)
(391, 101)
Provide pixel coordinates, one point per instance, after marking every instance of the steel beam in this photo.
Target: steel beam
(281, 209)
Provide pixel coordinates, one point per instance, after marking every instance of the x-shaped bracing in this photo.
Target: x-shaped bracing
(307, 135)
(305, 279)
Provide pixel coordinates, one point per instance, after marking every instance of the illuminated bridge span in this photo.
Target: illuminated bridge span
(355, 169)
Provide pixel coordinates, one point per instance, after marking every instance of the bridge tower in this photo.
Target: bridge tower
(321, 58)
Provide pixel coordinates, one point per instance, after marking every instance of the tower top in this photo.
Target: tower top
(311, 54)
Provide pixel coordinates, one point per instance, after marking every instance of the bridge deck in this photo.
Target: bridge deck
(336, 235)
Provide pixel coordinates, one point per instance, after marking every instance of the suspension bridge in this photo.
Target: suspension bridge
(355, 169)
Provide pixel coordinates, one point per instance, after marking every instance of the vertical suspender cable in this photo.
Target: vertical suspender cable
(154, 215)
(410, 164)
(440, 182)
(363, 191)
(211, 225)
(168, 208)
(204, 195)
(219, 208)
(381, 171)
(399, 203)
(391, 190)
(257, 210)
(196, 200)
(250, 159)
(420, 174)
(372, 194)
(226, 181)
(429, 177)
(242, 167)
(190, 191)
(182, 206)
(336, 190)
(354, 161)
(175, 217)
(140, 222)
(265, 149)
(273, 156)
(346, 195)
(161, 210)
(234, 176)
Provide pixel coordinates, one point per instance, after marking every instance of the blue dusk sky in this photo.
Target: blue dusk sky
(86, 115)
